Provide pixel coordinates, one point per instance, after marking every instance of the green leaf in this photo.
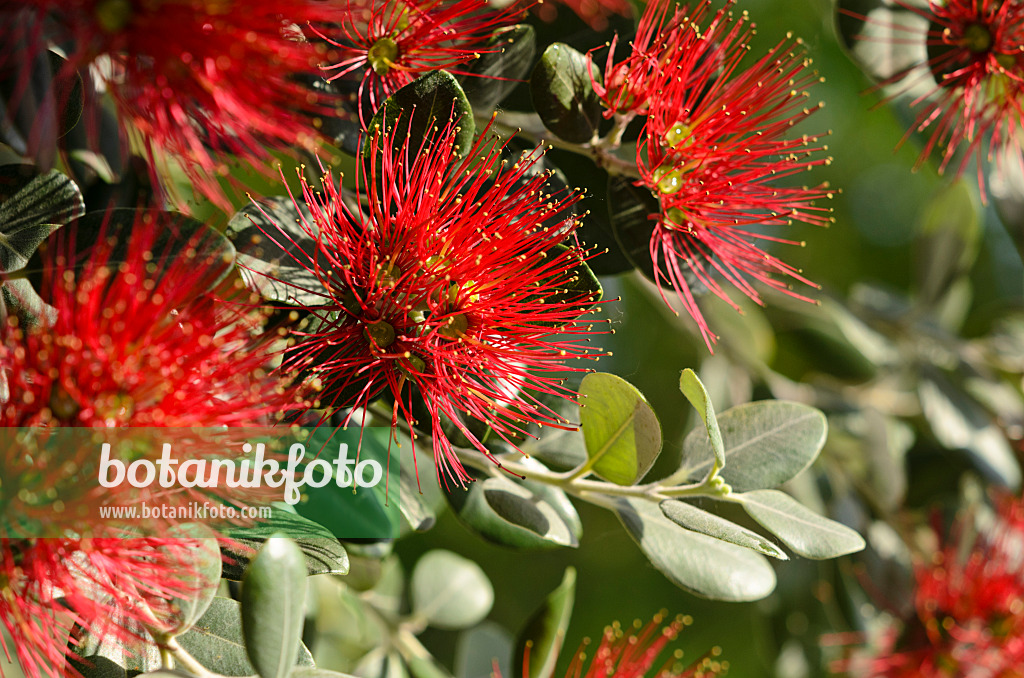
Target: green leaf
(799, 528)
(563, 94)
(449, 591)
(19, 298)
(204, 573)
(216, 641)
(276, 253)
(316, 672)
(959, 422)
(766, 443)
(621, 431)
(948, 242)
(31, 213)
(544, 633)
(698, 520)
(323, 552)
(517, 515)
(702, 565)
(416, 511)
(494, 75)
(273, 607)
(415, 110)
(107, 657)
(693, 389)
(479, 648)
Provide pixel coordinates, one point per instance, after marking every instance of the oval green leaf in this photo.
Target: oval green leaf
(563, 94)
(273, 607)
(216, 641)
(702, 565)
(415, 110)
(698, 520)
(799, 528)
(449, 591)
(766, 443)
(621, 431)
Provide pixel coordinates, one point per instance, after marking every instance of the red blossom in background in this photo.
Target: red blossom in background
(634, 654)
(197, 79)
(109, 586)
(449, 286)
(975, 53)
(717, 140)
(386, 44)
(969, 606)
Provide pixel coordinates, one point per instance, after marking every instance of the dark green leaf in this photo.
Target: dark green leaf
(564, 96)
(948, 242)
(277, 251)
(273, 607)
(693, 518)
(799, 528)
(415, 110)
(766, 443)
(544, 633)
(702, 565)
(693, 389)
(30, 214)
(449, 591)
(634, 213)
(216, 641)
(621, 430)
(323, 553)
(495, 74)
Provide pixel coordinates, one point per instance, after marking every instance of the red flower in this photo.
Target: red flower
(134, 344)
(109, 586)
(386, 44)
(976, 56)
(199, 79)
(447, 287)
(634, 653)
(138, 340)
(969, 605)
(714, 146)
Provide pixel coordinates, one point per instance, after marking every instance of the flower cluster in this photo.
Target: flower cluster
(633, 653)
(975, 54)
(969, 605)
(716, 142)
(198, 79)
(138, 340)
(386, 44)
(450, 280)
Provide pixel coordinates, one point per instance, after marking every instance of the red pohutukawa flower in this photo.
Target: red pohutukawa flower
(386, 44)
(197, 78)
(634, 654)
(969, 605)
(975, 51)
(716, 142)
(138, 340)
(108, 586)
(141, 341)
(450, 287)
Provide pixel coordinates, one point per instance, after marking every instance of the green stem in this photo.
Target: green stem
(185, 660)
